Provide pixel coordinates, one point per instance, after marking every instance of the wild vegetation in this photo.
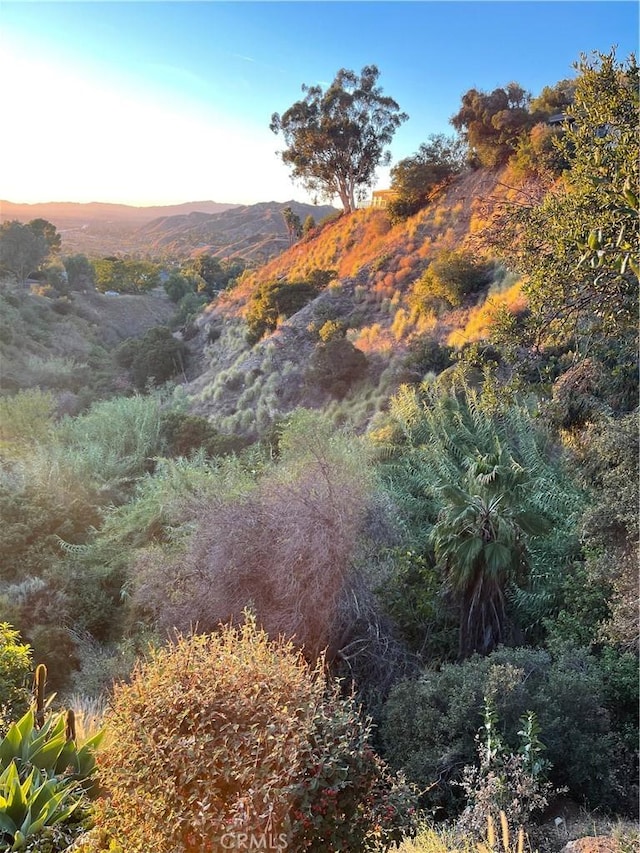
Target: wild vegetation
(384, 488)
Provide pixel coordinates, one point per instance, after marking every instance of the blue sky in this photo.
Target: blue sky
(156, 103)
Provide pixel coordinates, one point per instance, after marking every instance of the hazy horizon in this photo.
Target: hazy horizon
(153, 104)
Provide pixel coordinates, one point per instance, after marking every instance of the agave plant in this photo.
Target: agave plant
(26, 807)
(44, 774)
(48, 749)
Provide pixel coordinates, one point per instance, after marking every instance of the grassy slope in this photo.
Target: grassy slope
(64, 345)
(242, 387)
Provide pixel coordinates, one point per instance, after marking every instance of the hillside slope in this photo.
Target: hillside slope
(255, 232)
(243, 388)
(65, 345)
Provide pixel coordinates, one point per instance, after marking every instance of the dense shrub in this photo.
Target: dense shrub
(491, 122)
(115, 438)
(186, 434)
(227, 736)
(15, 666)
(426, 355)
(430, 724)
(276, 299)
(335, 365)
(447, 280)
(283, 542)
(25, 419)
(413, 178)
(536, 153)
(154, 358)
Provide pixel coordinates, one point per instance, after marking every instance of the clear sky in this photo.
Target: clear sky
(166, 102)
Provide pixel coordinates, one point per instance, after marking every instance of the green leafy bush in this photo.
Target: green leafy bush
(155, 358)
(335, 365)
(426, 355)
(186, 434)
(15, 666)
(448, 279)
(25, 419)
(413, 178)
(430, 724)
(503, 781)
(275, 299)
(230, 735)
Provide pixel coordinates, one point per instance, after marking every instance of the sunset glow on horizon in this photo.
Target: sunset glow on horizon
(163, 103)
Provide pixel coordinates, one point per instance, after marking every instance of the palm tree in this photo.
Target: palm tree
(478, 488)
(480, 541)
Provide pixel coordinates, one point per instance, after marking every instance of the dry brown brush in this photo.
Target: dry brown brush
(284, 548)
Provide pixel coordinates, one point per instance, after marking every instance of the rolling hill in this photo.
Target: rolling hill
(242, 388)
(256, 232)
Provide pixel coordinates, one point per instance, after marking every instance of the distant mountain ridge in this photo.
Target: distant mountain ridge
(97, 210)
(255, 232)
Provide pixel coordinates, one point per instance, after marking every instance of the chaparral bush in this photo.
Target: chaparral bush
(226, 737)
(430, 724)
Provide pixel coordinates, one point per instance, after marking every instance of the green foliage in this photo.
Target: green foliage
(478, 487)
(608, 453)
(335, 365)
(114, 442)
(41, 498)
(447, 280)
(177, 286)
(154, 358)
(308, 225)
(44, 777)
(80, 272)
(336, 138)
(426, 355)
(15, 666)
(281, 536)
(56, 278)
(503, 782)
(28, 806)
(188, 309)
(275, 299)
(47, 230)
(229, 733)
(49, 749)
(26, 418)
(492, 122)
(577, 245)
(537, 153)
(125, 275)
(331, 329)
(429, 725)
(553, 100)
(22, 249)
(414, 597)
(413, 178)
(186, 434)
(50, 344)
(294, 226)
(212, 275)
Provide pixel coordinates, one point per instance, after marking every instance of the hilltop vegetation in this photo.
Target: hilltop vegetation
(408, 446)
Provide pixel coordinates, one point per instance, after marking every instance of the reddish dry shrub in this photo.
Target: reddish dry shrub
(231, 736)
(285, 548)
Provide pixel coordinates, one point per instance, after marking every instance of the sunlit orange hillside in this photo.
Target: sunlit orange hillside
(373, 299)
